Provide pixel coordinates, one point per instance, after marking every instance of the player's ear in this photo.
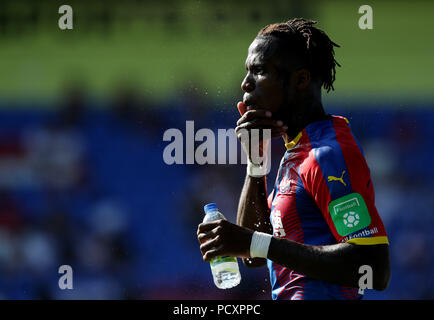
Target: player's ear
(302, 79)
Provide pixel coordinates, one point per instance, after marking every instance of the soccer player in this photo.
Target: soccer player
(319, 224)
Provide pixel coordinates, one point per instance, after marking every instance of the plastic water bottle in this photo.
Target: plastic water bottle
(224, 269)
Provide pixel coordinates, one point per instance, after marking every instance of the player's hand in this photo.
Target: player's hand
(222, 238)
(259, 119)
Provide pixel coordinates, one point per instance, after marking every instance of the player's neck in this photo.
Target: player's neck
(313, 111)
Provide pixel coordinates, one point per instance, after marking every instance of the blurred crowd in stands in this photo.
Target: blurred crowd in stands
(83, 183)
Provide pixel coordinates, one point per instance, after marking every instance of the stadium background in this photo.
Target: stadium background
(82, 116)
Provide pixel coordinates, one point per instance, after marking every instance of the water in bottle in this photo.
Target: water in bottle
(224, 269)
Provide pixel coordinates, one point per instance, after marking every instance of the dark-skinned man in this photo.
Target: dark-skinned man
(319, 224)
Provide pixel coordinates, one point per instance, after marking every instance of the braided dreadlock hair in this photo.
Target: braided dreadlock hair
(310, 44)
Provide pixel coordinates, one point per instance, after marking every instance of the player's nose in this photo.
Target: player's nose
(247, 85)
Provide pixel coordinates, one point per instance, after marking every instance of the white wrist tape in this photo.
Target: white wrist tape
(259, 165)
(256, 170)
(259, 244)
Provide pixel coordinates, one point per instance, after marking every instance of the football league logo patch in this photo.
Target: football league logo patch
(349, 214)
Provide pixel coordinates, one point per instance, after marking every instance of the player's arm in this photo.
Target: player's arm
(338, 263)
(253, 212)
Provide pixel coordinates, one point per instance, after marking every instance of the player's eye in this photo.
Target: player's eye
(257, 70)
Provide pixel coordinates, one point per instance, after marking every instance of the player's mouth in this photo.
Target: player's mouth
(250, 104)
(248, 99)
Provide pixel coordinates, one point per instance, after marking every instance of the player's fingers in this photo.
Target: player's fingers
(204, 233)
(208, 245)
(275, 133)
(212, 253)
(260, 124)
(204, 236)
(207, 226)
(242, 108)
(254, 114)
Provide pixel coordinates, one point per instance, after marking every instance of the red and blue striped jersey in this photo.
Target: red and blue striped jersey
(323, 195)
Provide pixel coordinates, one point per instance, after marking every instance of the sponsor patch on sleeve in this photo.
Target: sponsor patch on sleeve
(349, 214)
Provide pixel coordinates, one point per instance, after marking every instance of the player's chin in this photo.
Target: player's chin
(252, 104)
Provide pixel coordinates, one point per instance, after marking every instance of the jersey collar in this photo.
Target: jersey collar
(291, 144)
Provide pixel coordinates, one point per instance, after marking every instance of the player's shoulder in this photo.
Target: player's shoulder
(325, 149)
(331, 143)
(332, 138)
(329, 154)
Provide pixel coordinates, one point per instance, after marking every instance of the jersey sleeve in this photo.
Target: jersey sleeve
(338, 179)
